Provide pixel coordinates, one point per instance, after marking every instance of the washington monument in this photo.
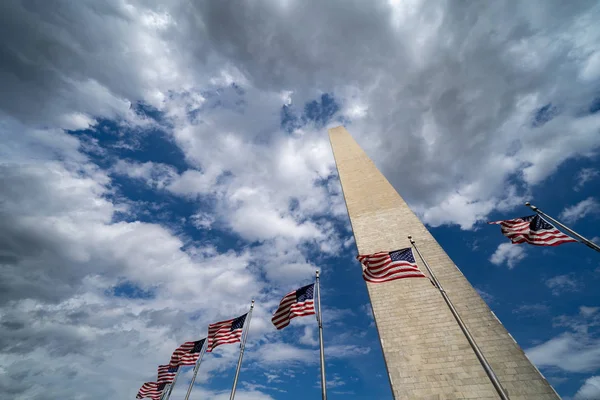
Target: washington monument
(426, 353)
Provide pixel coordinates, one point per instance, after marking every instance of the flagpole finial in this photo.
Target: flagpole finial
(410, 238)
(317, 273)
(252, 305)
(528, 204)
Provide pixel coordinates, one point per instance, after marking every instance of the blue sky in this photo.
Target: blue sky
(162, 164)
(543, 282)
(351, 336)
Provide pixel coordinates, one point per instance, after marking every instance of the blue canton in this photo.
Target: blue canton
(536, 222)
(305, 293)
(198, 346)
(403, 255)
(238, 323)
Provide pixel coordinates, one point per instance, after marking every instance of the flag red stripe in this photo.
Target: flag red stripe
(164, 375)
(220, 333)
(390, 272)
(298, 310)
(287, 321)
(150, 389)
(394, 264)
(289, 308)
(292, 307)
(180, 352)
(396, 276)
(381, 268)
(519, 231)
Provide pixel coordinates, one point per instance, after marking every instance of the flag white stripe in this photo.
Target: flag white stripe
(396, 275)
(289, 308)
(519, 231)
(307, 306)
(381, 268)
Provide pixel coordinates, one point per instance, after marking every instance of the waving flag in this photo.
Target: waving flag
(532, 229)
(152, 390)
(388, 266)
(298, 303)
(224, 332)
(180, 352)
(166, 373)
(187, 353)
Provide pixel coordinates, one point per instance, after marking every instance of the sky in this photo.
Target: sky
(162, 163)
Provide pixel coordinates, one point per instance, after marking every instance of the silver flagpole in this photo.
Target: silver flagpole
(486, 366)
(320, 321)
(164, 392)
(583, 240)
(196, 368)
(167, 391)
(242, 347)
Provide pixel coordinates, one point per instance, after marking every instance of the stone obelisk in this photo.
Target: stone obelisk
(426, 354)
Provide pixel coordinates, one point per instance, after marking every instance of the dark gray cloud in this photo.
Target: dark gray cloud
(57, 59)
(449, 91)
(39, 258)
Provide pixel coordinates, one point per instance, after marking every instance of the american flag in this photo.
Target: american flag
(388, 266)
(187, 354)
(532, 229)
(152, 390)
(224, 332)
(166, 373)
(298, 303)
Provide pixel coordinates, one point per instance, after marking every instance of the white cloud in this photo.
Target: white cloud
(580, 210)
(285, 354)
(487, 297)
(153, 174)
(240, 394)
(76, 121)
(584, 176)
(508, 253)
(342, 351)
(588, 311)
(449, 121)
(590, 390)
(561, 284)
(531, 309)
(202, 220)
(335, 381)
(193, 182)
(576, 350)
(461, 145)
(309, 337)
(367, 309)
(63, 251)
(286, 267)
(567, 352)
(591, 68)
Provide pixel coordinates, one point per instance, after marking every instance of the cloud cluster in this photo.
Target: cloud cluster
(463, 106)
(562, 283)
(575, 350)
(589, 390)
(580, 210)
(508, 253)
(584, 176)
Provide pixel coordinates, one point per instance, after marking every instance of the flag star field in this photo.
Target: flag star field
(164, 163)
